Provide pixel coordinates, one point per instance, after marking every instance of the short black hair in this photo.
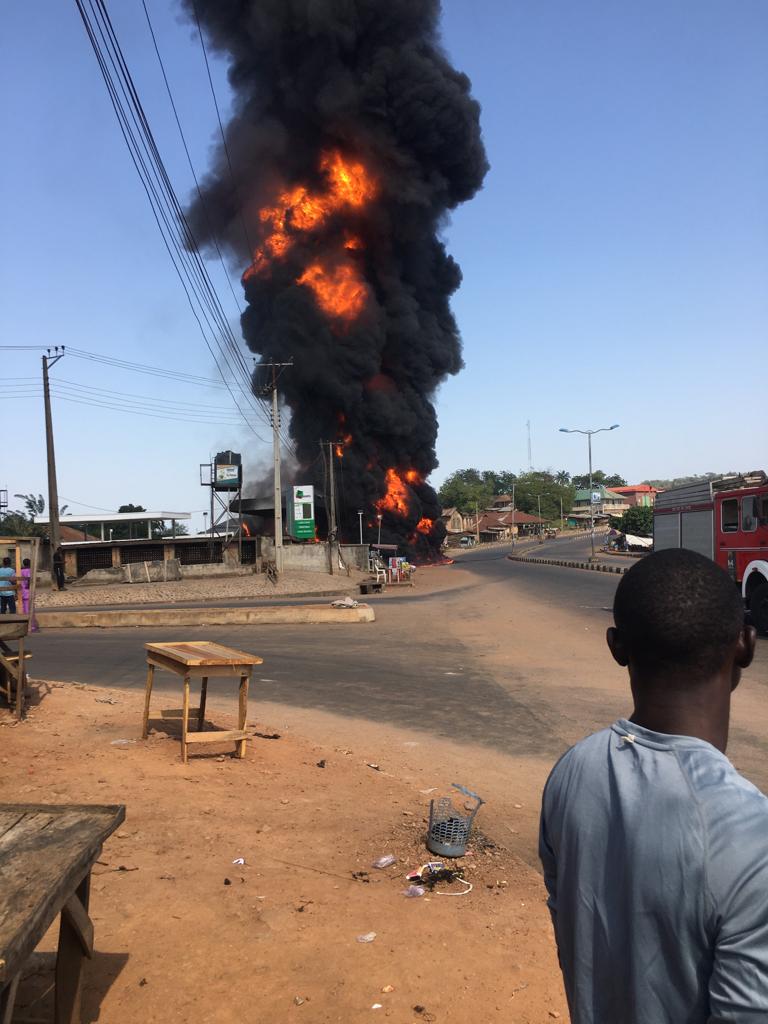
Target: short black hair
(6, 561)
(678, 609)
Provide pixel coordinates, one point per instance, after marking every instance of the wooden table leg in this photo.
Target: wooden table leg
(75, 944)
(185, 720)
(203, 695)
(8, 998)
(147, 697)
(20, 679)
(242, 713)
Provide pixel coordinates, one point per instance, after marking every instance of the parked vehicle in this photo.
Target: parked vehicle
(726, 520)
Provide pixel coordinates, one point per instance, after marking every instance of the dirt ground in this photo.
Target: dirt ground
(212, 588)
(183, 934)
(176, 944)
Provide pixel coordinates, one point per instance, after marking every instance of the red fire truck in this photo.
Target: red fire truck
(727, 520)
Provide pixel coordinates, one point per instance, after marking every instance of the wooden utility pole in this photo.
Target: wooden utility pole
(54, 529)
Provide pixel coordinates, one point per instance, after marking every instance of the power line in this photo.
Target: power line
(248, 242)
(166, 209)
(186, 150)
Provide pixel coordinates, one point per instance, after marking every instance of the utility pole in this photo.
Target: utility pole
(538, 499)
(513, 514)
(360, 517)
(54, 528)
(477, 523)
(265, 390)
(332, 510)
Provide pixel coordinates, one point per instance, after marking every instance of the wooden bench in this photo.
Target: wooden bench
(46, 853)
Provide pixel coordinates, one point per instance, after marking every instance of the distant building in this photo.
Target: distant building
(638, 494)
(605, 502)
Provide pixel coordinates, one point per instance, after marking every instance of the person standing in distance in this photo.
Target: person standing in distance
(8, 586)
(654, 848)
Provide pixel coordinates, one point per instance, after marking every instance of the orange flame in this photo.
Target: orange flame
(396, 498)
(424, 525)
(339, 290)
(339, 447)
(246, 531)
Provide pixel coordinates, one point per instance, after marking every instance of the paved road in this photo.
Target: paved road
(375, 672)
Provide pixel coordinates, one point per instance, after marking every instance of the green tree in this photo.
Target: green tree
(637, 520)
(467, 487)
(35, 505)
(541, 487)
(598, 477)
(16, 524)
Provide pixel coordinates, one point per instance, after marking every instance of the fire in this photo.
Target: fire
(396, 498)
(424, 525)
(341, 445)
(338, 288)
(339, 291)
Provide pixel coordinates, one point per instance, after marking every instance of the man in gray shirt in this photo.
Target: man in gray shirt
(655, 849)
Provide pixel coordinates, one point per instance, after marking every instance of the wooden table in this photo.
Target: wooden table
(46, 856)
(201, 660)
(13, 675)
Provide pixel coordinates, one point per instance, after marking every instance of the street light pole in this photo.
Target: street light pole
(589, 433)
(513, 514)
(379, 517)
(360, 517)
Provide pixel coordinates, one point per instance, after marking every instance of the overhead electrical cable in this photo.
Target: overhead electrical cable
(166, 209)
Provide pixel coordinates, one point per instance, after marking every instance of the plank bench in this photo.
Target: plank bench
(46, 856)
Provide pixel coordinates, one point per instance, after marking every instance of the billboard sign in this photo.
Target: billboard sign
(596, 497)
(303, 512)
(226, 477)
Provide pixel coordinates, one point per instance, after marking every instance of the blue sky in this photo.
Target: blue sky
(615, 264)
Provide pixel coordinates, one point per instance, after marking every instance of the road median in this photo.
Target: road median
(279, 615)
(570, 564)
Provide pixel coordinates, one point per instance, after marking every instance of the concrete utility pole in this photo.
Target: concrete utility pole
(513, 514)
(332, 503)
(264, 391)
(54, 528)
(589, 433)
(477, 523)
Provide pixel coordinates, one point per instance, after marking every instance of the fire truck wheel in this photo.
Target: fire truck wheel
(758, 606)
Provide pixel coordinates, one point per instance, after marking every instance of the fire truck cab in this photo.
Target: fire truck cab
(726, 520)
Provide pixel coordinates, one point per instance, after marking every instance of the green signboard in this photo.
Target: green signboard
(302, 513)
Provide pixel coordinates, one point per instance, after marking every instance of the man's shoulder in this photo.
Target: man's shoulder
(592, 748)
(726, 797)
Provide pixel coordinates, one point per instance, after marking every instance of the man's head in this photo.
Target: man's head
(679, 621)
(6, 563)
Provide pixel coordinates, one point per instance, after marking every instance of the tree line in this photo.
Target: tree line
(467, 489)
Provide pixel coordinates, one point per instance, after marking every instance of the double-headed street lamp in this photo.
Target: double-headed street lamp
(589, 433)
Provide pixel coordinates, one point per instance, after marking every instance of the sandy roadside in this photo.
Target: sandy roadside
(177, 943)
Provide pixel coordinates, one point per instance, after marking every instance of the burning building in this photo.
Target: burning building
(352, 137)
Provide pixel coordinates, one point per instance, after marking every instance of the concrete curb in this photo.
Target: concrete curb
(592, 566)
(282, 615)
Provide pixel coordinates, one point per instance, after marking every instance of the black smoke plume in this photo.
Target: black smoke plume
(367, 79)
